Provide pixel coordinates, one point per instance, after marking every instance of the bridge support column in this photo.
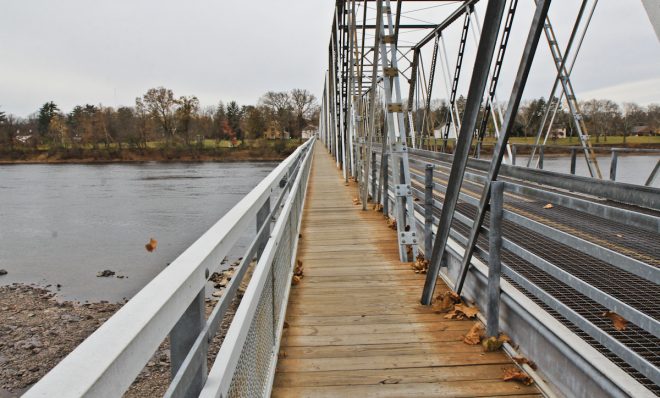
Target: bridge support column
(428, 211)
(494, 264)
(386, 195)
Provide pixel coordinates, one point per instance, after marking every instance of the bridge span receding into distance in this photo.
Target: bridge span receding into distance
(385, 253)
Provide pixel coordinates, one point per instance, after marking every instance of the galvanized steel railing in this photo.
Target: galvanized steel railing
(108, 361)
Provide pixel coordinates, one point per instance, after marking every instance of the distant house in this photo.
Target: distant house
(642, 130)
(309, 132)
(274, 132)
(557, 133)
(24, 139)
(437, 133)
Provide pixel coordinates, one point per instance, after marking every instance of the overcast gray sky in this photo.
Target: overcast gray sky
(109, 52)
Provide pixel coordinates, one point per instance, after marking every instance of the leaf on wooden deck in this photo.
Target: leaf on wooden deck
(522, 360)
(298, 271)
(421, 265)
(475, 334)
(446, 301)
(619, 322)
(295, 280)
(356, 201)
(515, 374)
(151, 246)
(548, 206)
(391, 223)
(495, 343)
(378, 207)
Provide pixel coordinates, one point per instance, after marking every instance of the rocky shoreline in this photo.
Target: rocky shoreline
(37, 331)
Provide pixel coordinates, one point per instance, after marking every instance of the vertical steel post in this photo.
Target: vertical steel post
(613, 164)
(428, 211)
(182, 338)
(484, 57)
(513, 155)
(541, 156)
(494, 264)
(262, 217)
(373, 176)
(573, 159)
(386, 188)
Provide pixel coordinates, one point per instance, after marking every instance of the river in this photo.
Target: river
(62, 224)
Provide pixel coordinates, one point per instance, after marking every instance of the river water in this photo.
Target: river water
(62, 224)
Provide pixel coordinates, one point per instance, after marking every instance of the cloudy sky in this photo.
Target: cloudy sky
(109, 52)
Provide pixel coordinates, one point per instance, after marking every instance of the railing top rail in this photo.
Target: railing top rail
(636, 195)
(107, 362)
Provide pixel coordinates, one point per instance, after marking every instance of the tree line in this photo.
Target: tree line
(160, 116)
(602, 117)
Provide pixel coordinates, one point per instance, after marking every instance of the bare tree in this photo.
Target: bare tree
(188, 108)
(304, 104)
(161, 104)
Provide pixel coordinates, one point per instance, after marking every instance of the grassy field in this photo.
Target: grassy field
(208, 150)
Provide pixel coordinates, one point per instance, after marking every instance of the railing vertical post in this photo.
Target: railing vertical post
(573, 158)
(386, 194)
(613, 164)
(513, 155)
(182, 338)
(478, 149)
(262, 217)
(541, 156)
(494, 265)
(373, 176)
(428, 211)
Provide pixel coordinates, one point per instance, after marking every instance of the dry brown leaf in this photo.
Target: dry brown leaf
(548, 206)
(517, 375)
(298, 271)
(421, 265)
(469, 312)
(151, 246)
(618, 321)
(295, 280)
(356, 201)
(391, 223)
(522, 360)
(447, 301)
(475, 334)
(378, 207)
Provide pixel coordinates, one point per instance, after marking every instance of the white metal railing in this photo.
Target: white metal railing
(108, 361)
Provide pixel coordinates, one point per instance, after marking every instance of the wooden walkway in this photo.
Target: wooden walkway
(355, 325)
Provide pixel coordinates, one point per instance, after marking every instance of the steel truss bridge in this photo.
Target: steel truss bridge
(548, 258)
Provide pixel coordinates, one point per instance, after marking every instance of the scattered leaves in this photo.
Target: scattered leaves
(391, 223)
(421, 265)
(491, 344)
(356, 201)
(475, 334)
(462, 311)
(151, 246)
(618, 321)
(447, 301)
(522, 360)
(295, 280)
(298, 271)
(515, 374)
(548, 206)
(378, 207)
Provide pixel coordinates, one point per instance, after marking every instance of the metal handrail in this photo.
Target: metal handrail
(107, 362)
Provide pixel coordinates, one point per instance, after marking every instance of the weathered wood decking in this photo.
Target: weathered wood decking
(355, 325)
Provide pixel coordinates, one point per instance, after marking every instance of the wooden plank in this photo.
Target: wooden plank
(375, 350)
(377, 328)
(389, 376)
